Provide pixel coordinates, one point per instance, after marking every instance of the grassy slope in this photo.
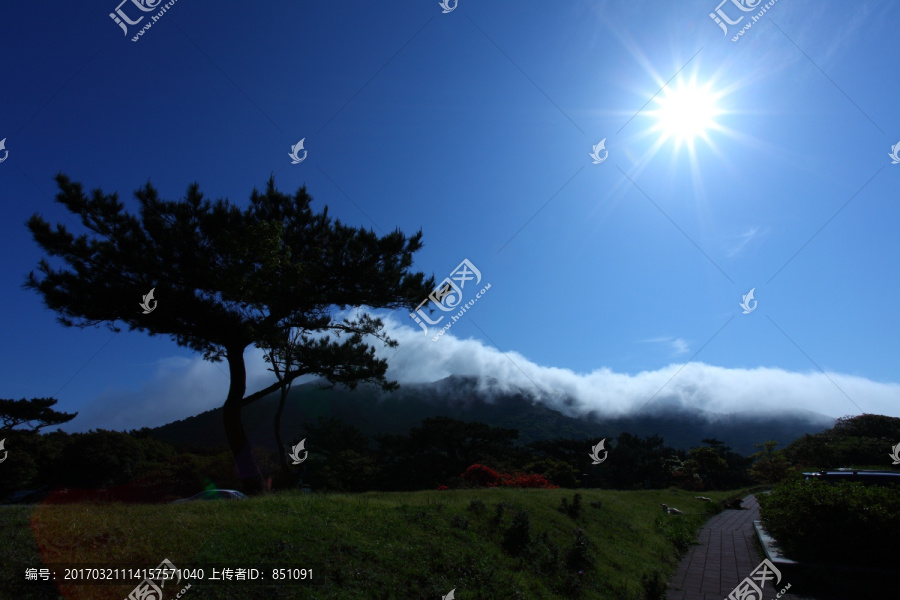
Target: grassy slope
(373, 546)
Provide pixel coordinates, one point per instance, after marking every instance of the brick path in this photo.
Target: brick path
(725, 556)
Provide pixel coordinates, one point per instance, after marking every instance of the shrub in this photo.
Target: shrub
(578, 558)
(517, 538)
(771, 466)
(596, 504)
(548, 558)
(574, 509)
(459, 521)
(477, 506)
(842, 522)
(557, 471)
(481, 475)
(654, 586)
(533, 480)
(498, 516)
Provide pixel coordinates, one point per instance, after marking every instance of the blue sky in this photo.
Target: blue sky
(616, 283)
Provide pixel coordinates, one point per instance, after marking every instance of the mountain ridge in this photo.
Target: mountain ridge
(485, 400)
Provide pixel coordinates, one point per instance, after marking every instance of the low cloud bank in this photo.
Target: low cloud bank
(182, 387)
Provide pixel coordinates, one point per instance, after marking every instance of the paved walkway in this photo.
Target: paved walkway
(725, 556)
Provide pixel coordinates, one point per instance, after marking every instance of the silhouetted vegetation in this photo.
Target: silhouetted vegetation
(573, 509)
(843, 523)
(441, 453)
(228, 277)
(517, 539)
(770, 466)
(862, 440)
(34, 414)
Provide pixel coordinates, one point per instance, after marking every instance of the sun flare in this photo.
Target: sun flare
(685, 112)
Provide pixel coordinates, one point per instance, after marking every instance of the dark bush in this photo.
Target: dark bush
(548, 555)
(828, 523)
(654, 586)
(498, 516)
(517, 539)
(459, 521)
(477, 506)
(578, 557)
(574, 509)
(560, 472)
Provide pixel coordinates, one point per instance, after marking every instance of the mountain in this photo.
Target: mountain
(484, 400)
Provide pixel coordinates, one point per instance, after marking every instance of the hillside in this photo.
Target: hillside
(484, 543)
(462, 398)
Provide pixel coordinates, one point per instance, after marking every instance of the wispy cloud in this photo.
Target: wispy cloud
(736, 244)
(838, 39)
(679, 346)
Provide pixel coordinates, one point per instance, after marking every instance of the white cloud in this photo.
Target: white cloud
(180, 387)
(679, 345)
(737, 244)
(186, 386)
(760, 390)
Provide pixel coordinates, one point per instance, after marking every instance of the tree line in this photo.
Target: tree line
(134, 466)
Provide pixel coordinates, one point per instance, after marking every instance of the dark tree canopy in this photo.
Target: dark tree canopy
(226, 277)
(34, 414)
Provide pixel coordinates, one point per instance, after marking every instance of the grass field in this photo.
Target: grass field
(372, 546)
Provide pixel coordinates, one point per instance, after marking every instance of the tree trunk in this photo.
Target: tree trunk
(281, 450)
(248, 471)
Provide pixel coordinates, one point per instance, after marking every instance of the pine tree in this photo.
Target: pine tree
(225, 278)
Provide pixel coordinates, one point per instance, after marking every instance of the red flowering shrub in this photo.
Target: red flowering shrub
(522, 480)
(481, 475)
(442, 487)
(486, 476)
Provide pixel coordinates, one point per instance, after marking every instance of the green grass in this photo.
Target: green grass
(372, 546)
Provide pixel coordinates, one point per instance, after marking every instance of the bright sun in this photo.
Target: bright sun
(686, 111)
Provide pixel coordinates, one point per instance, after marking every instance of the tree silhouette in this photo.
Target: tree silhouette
(35, 413)
(282, 360)
(225, 278)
